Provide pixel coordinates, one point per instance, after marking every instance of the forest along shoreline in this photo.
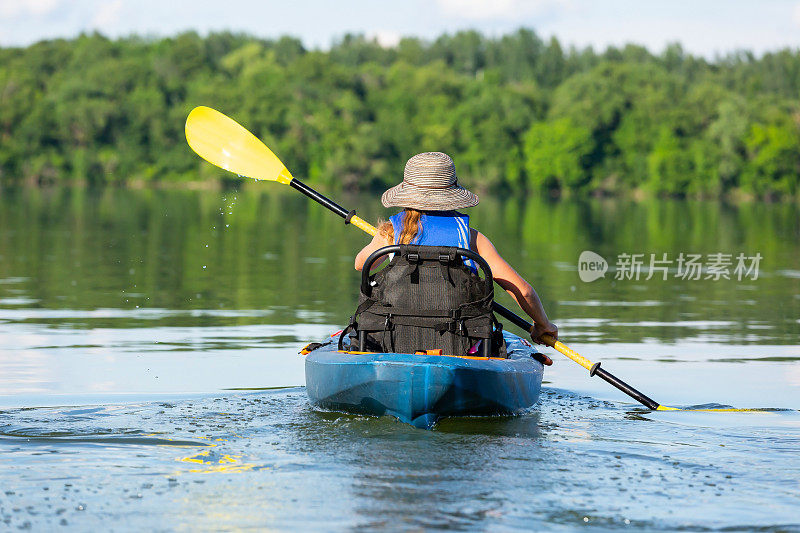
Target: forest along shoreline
(518, 113)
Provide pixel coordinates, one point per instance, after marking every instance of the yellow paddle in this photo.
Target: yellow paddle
(223, 142)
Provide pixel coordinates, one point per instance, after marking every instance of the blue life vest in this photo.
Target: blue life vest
(438, 228)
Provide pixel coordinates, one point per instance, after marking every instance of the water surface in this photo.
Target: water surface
(149, 375)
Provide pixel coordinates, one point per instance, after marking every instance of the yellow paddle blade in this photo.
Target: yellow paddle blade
(223, 142)
(720, 410)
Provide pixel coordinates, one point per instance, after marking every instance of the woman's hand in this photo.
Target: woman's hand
(545, 328)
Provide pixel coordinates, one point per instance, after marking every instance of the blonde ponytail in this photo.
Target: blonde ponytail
(410, 226)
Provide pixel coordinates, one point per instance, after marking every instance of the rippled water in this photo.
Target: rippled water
(149, 376)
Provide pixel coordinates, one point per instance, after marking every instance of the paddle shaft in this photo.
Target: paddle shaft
(594, 369)
(348, 216)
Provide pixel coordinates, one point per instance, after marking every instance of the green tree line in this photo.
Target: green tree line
(517, 113)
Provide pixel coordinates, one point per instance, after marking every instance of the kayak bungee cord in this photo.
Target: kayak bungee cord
(225, 143)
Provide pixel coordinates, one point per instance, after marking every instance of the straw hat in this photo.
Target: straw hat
(429, 184)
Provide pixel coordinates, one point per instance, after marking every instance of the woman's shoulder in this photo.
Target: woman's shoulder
(478, 241)
(473, 239)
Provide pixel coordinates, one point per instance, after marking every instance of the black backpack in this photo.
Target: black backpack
(426, 299)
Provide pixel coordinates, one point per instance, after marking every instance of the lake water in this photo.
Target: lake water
(149, 376)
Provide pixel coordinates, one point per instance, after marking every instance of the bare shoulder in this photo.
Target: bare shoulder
(501, 270)
(481, 243)
(380, 240)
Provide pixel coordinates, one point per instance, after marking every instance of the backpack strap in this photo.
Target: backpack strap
(353, 325)
(445, 261)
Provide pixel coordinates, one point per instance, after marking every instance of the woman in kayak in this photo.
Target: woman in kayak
(430, 194)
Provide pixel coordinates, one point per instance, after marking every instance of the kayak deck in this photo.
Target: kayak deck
(420, 389)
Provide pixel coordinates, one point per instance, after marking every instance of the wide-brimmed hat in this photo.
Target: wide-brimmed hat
(429, 184)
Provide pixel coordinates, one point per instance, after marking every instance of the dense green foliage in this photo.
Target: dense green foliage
(515, 112)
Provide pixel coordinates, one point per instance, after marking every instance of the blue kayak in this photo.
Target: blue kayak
(421, 389)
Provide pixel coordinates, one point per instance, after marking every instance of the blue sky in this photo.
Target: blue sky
(706, 27)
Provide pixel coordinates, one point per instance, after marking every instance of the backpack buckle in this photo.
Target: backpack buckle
(413, 257)
(456, 324)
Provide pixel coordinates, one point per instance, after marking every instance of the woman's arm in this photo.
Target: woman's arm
(378, 241)
(516, 286)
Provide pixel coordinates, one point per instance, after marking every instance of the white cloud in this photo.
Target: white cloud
(108, 14)
(497, 9)
(796, 15)
(386, 38)
(16, 8)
